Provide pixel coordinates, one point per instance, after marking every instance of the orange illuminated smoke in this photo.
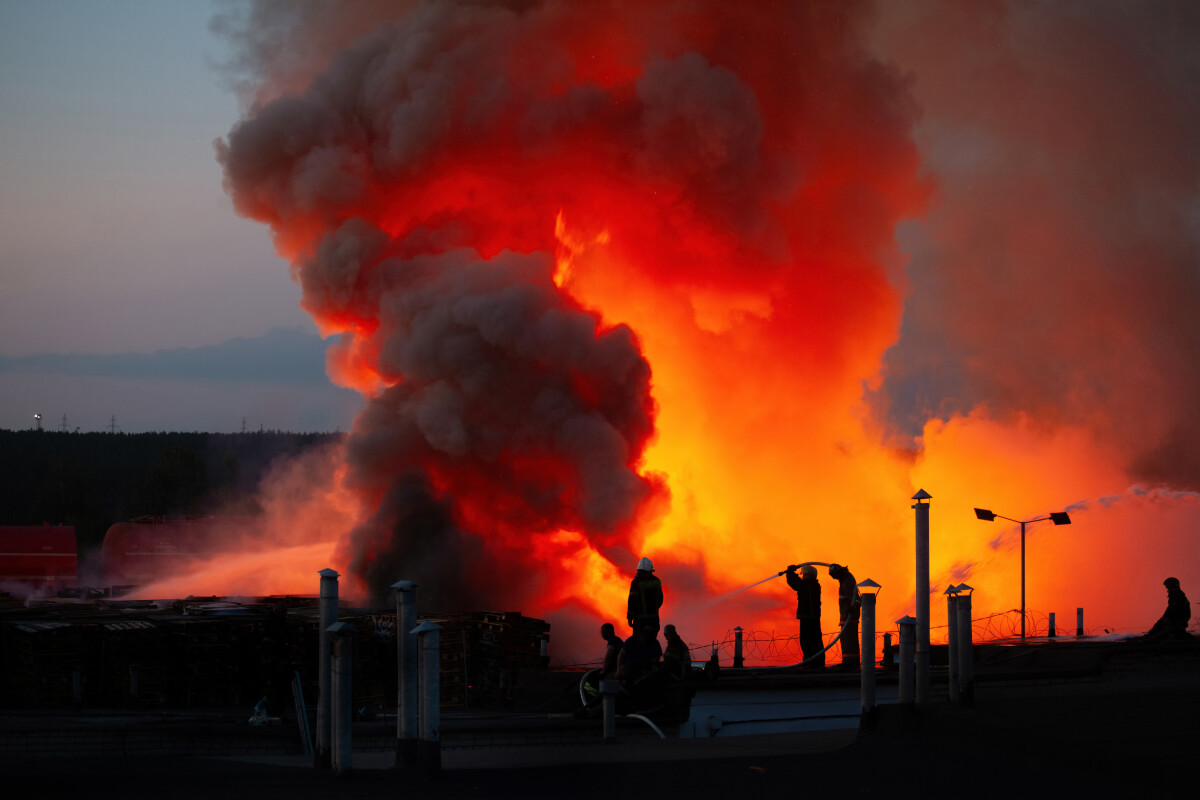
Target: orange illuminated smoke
(622, 307)
(619, 298)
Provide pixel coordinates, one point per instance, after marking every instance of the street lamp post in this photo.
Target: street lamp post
(1057, 517)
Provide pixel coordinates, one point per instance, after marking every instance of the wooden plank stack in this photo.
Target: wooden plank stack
(42, 664)
(209, 652)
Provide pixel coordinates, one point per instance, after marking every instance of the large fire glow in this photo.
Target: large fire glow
(724, 285)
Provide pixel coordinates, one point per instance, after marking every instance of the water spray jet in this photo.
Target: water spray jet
(736, 592)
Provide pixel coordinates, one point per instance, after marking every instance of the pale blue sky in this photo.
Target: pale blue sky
(115, 233)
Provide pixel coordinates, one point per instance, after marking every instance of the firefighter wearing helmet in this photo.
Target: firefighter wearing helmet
(645, 597)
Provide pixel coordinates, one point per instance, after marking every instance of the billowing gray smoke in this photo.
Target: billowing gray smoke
(1057, 275)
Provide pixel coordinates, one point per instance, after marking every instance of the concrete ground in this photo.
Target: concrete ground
(1105, 722)
(1140, 743)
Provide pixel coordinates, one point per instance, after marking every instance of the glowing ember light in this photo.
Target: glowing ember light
(723, 289)
(570, 245)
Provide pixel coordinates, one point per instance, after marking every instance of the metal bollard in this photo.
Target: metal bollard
(908, 638)
(952, 641)
(737, 648)
(1079, 622)
(407, 678)
(610, 690)
(328, 617)
(342, 689)
(966, 655)
(1051, 633)
(429, 749)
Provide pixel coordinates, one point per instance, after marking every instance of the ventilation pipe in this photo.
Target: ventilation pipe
(342, 716)
(952, 641)
(867, 590)
(908, 635)
(966, 655)
(407, 677)
(922, 589)
(328, 618)
(429, 748)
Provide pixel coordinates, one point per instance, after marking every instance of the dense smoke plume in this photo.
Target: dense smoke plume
(725, 285)
(1056, 276)
(424, 180)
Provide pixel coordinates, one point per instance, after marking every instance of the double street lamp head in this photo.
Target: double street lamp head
(1057, 517)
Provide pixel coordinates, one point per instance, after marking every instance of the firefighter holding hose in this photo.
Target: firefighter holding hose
(808, 611)
(849, 609)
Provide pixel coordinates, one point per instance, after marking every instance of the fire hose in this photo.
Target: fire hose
(832, 642)
(585, 684)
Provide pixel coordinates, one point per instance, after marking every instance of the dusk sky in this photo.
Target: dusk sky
(115, 233)
(675, 279)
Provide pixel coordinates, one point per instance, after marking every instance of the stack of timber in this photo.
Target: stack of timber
(42, 665)
(217, 653)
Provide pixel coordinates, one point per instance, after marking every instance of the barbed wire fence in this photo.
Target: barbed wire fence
(773, 648)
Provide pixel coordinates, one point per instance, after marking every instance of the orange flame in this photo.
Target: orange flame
(730, 187)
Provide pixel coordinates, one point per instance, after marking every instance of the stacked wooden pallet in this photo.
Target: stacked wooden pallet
(133, 663)
(481, 653)
(213, 661)
(210, 652)
(42, 664)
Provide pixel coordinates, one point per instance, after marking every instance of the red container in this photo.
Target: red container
(38, 556)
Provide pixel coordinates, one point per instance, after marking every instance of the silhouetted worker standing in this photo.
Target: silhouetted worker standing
(677, 657)
(608, 670)
(1174, 621)
(639, 656)
(645, 597)
(849, 608)
(808, 611)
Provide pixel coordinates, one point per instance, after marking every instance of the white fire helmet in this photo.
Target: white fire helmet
(645, 566)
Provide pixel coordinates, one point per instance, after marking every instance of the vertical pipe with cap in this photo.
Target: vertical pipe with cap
(966, 655)
(867, 652)
(407, 678)
(328, 617)
(952, 641)
(738, 662)
(429, 748)
(922, 591)
(908, 635)
(342, 711)
(610, 690)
